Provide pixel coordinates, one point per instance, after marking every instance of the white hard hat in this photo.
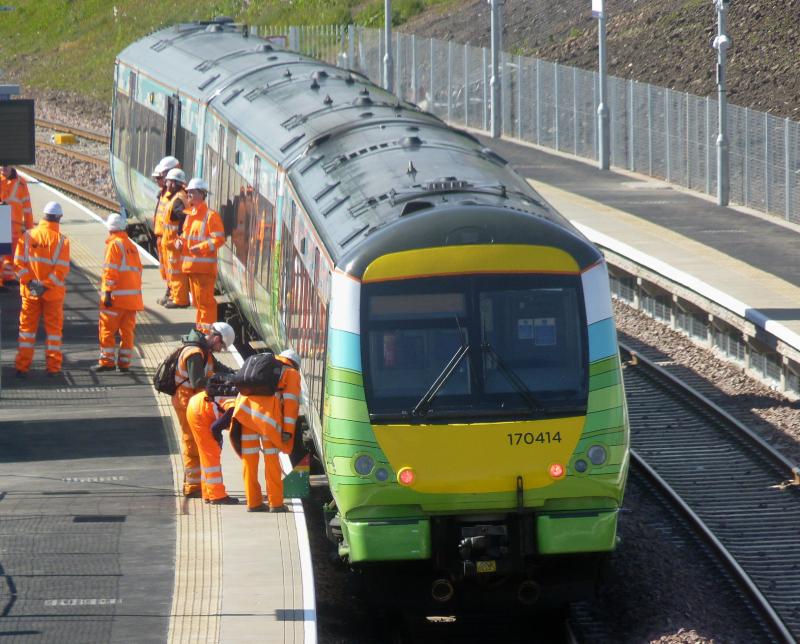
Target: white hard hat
(225, 331)
(53, 208)
(115, 221)
(292, 355)
(176, 174)
(197, 184)
(167, 163)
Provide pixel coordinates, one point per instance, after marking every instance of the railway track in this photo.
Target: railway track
(66, 186)
(83, 134)
(723, 479)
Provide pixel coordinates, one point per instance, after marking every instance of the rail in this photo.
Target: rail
(718, 474)
(84, 134)
(71, 188)
(80, 156)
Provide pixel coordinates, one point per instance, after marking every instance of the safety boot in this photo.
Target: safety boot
(259, 508)
(225, 500)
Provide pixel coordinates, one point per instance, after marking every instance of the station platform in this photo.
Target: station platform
(97, 542)
(744, 260)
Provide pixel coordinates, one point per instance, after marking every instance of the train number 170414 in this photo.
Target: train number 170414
(531, 438)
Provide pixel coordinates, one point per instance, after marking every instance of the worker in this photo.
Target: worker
(162, 202)
(195, 366)
(14, 192)
(289, 391)
(41, 259)
(202, 236)
(260, 417)
(203, 410)
(120, 297)
(173, 219)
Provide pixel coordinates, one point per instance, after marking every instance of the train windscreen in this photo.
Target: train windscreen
(474, 348)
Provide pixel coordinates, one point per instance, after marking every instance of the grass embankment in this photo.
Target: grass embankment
(71, 44)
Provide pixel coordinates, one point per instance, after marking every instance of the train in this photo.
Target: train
(462, 385)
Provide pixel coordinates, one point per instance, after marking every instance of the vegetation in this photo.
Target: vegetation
(71, 44)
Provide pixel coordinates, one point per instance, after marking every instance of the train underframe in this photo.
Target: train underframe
(479, 563)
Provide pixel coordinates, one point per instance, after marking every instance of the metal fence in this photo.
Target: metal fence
(666, 134)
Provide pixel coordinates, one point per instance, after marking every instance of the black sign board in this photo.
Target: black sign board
(17, 133)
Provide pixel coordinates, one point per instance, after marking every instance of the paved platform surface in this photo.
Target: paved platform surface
(747, 260)
(97, 543)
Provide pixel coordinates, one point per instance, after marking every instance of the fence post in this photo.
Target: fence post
(767, 174)
(519, 96)
(746, 156)
(433, 88)
(632, 148)
(555, 98)
(294, 43)
(788, 174)
(666, 133)
(350, 47)
(449, 79)
(708, 147)
(398, 38)
(538, 102)
(575, 110)
(650, 128)
(485, 90)
(466, 85)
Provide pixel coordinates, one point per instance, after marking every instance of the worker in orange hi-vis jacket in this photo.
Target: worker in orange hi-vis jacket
(121, 297)
(195, 367)
(14, 192)
(41, 260)
(203, 234)
(204, 410)
(173, 221)
(260, 419)
(289, 391)
(162, 203)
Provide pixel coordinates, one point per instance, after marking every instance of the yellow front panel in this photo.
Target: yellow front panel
(480, 458)
(457, 260)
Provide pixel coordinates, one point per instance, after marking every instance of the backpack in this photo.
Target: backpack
(259, 375)
(164, 377)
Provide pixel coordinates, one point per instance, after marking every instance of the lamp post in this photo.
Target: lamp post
(388, 63)
(722, 43)
(603, 116)
(494, 83)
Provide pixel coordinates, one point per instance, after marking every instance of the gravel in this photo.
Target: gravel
(657, 591)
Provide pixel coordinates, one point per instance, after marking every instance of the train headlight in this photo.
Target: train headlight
(597, 454)
(406, 476)
(581, 466)
(363, 464)
(556, 470)
(382, 474)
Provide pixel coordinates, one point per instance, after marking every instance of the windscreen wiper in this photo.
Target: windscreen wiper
(440, 381)
(514, 379)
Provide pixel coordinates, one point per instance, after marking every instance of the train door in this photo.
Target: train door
(132, 151)
(174, 144)
(255, 228)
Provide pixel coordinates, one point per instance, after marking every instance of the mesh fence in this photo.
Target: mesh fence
(655, 131)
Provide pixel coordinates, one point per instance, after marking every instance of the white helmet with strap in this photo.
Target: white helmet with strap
(224, 331)
(292, 355)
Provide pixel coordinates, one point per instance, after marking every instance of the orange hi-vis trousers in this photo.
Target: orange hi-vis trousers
(33, 309)
(201, 285)
(254, 444)
(191, 458)
(201, 414)
(115, 320)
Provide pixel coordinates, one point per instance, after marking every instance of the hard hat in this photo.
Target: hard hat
(176, 174)
(167, 163)
(291, 354)
(115, 221)
(225, 331)
(53, 209)
(197, 184)
(157, 171)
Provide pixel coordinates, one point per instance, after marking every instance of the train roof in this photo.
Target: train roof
(359, 158)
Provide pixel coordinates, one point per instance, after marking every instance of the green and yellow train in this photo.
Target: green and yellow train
(462, 383)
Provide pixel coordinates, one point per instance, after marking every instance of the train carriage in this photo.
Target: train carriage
(462, 384)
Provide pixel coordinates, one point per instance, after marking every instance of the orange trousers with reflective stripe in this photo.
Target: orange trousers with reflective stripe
(115, 320)
(200, 416)
(201, 286)
(191, 458)
(272, 473)
(33, 308)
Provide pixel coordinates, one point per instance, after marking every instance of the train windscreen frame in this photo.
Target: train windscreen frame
(474, 348)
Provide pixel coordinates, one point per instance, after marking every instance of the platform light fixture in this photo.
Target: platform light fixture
(603, 116)
(722, 43)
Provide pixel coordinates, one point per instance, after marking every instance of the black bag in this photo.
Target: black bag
(164, 377)
(259, 375)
